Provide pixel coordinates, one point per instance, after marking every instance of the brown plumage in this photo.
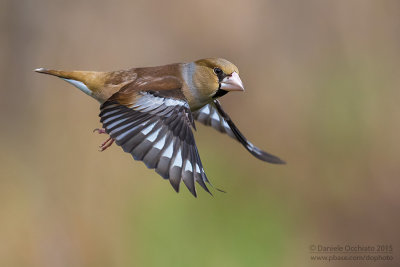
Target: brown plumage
(149, 112)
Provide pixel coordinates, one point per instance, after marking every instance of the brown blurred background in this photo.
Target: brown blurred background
(322, 92)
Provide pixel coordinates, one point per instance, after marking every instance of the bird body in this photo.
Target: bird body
(150, 112)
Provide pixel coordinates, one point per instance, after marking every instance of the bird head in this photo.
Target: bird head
(215, 77)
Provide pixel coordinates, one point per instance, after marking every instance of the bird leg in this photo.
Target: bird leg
(106, 144)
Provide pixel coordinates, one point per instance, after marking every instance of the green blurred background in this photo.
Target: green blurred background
(322, 92)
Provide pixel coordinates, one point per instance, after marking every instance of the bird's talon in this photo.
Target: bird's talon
(100, 131)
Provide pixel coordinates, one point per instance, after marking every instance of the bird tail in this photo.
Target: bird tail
(89, 82)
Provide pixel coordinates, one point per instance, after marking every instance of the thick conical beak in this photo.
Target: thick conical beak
(232, 83)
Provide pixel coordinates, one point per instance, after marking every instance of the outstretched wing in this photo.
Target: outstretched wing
(209, 116)
(157, 130)
(213, 115)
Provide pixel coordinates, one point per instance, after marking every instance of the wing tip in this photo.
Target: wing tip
(270, 158)
(204, 186)
(277, 160)
(175, 185)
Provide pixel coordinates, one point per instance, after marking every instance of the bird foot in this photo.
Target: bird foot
(106, 144)
(100, 131)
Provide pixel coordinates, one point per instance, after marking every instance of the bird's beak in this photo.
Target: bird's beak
(232, 83)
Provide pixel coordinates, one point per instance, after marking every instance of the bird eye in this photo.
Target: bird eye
(217, 71)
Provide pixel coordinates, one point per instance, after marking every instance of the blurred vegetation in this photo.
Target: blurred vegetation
(322, 92)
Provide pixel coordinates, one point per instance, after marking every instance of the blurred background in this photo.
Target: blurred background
(322, 92)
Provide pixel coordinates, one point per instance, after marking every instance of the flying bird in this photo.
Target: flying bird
(150, 112)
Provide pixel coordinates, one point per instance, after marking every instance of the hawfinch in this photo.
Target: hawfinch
(150, 113)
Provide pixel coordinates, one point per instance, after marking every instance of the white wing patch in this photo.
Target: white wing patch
(205, 109)
(188, 166)
(148, 101)
(168, 152)
(160, 144)
(215, 116)
(197, 168)
(174, 102)
(148, 128)
(154, 135)
(178, 159)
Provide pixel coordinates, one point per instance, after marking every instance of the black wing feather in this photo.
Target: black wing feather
(157, 131)
(255, 151)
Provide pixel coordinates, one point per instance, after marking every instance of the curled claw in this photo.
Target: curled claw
(100, 131)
